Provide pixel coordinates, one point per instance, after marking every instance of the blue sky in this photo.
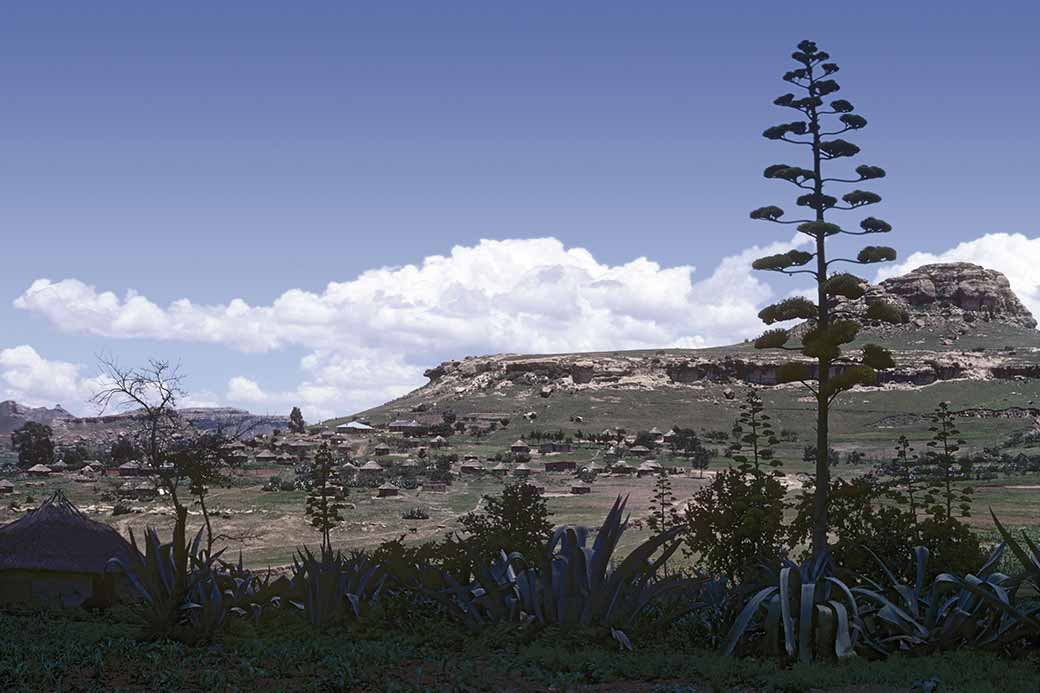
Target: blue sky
(222, 151)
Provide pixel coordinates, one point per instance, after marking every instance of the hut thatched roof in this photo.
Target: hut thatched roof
(39, 469)
(58, 537)
(372, 465)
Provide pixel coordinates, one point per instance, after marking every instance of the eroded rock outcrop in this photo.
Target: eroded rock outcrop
(945, 292)
(945, 299)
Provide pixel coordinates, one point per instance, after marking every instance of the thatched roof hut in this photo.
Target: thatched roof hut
(56, 555)
(38, 470)
(388, 490)
(6, 486)
(471, 467)
(648, 468)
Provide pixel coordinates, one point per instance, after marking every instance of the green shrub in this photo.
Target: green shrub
(735, 523)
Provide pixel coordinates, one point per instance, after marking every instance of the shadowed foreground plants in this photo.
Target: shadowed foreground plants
(572, 584)
(195, 605)
(808, 611)
(949, 612)
(814, 613)
(323, 586)
(39, 652)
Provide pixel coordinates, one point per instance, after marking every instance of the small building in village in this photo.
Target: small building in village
(552, 446)
(38, 470)
(370, 470)
(580, 489)
(381, 449)
(6, 486)
(267, 456)
(354, 428)
(137, 490)
(594, 467)
(55, 556)
(520, 448)
(388, 491)
(131, 468)
(471, 467)
(648, 468)
(408, 428)
(522, 471)
(621, 468)
(439, 442)
(561, 466)
(500, 469)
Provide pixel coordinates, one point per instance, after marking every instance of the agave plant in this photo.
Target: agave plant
(323, 586)
(809, 612)
(573, 584)
(246, 592)
(169, 600)
(977, 610)
(1028, 556)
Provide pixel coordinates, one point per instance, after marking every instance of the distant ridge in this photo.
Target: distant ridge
(14, 415)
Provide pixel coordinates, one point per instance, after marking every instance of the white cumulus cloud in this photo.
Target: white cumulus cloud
(369, 338)
(32, 380)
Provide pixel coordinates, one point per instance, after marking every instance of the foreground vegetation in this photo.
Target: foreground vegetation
(51, 652)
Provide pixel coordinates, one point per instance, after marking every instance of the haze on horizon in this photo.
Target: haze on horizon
(312, 208)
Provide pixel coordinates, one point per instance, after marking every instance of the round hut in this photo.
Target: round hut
(56, 556)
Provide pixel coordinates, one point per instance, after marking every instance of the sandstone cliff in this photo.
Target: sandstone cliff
(948, 305)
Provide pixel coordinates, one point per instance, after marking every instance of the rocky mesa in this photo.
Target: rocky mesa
(960, 315)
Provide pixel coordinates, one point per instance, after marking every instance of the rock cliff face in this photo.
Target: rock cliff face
(68, 428)
(945, 301)
(957, 291)
(13, 415)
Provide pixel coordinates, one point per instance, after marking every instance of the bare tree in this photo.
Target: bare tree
(150, 394)
(174, 453)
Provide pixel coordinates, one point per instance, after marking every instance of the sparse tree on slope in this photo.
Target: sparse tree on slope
(820, 139)
(34, 445)
(296, 422)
